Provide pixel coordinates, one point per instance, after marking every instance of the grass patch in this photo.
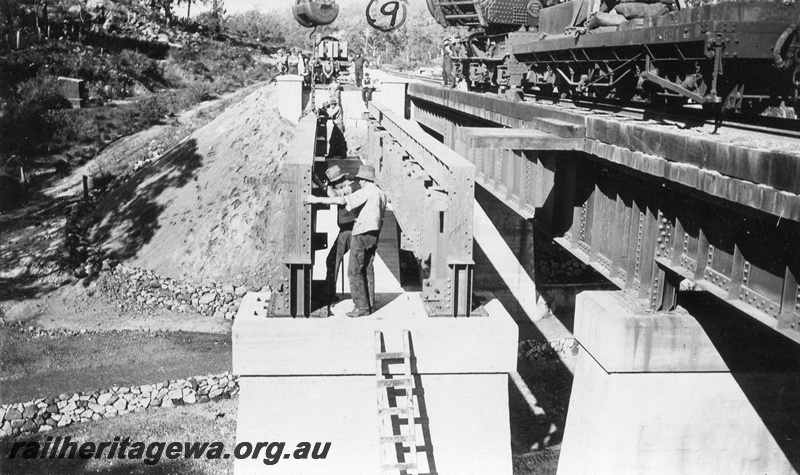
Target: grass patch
(210, 422)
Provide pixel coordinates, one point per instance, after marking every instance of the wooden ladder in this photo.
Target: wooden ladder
(386, 384)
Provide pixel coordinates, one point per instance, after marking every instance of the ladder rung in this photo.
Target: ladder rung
(399, 466)
(395, 410)
(398, 438)
(393, 383)
(393, 356)
(417, 420)
(401, 392)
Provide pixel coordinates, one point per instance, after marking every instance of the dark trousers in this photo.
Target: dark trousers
(337, 146)
(366, 94)
(361, 271)
(335, 257)
(447, 71)
(359, 74)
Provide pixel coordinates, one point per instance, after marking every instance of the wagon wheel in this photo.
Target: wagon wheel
(625, 90)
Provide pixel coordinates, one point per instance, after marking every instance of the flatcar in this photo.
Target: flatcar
(331, 53)
(740, 55)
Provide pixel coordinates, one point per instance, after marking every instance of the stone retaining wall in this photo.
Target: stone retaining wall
(42, 415)
(139, 288)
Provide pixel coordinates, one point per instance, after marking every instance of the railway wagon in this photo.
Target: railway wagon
(726, 55)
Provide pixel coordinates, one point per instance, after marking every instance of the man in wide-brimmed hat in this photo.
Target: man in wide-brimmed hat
(339, 184)
(370, 204)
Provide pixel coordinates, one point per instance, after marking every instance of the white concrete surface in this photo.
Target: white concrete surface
(624, 338)
(649, 397)
(340, 345)
(467, 432)
(663, 424)
(290, 96)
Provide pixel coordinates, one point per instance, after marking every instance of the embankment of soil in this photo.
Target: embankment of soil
(210, 208)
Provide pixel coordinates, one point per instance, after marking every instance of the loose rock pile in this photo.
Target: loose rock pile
(548, 350)
(42, 415)
(144, 289)
(141, 289)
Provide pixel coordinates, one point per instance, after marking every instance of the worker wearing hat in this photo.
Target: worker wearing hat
(339, 184)
(367, 88)
(370, 204)
(447, 63)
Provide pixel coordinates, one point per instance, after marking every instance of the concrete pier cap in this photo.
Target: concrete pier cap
(290, 96)
(314, 380)
(652, 395)
(393, 92)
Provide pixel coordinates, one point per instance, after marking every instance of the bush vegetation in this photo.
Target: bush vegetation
(128, 91)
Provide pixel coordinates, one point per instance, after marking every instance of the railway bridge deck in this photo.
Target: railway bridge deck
(668, 217)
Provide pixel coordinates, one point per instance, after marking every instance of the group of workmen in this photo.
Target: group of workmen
(321, 70)
(361, 206)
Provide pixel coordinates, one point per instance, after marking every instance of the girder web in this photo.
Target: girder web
(431, 189)
(646, 234)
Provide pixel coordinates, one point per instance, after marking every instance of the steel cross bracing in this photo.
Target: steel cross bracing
(431, 189)
(645, 208)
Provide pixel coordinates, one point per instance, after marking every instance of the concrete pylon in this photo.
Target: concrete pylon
(652, 395)
(290, 96)
(312, 380)
(393, 92)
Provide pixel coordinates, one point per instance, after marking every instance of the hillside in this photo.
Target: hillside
(209, 208)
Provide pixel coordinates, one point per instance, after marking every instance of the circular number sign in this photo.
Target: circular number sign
(387, 15)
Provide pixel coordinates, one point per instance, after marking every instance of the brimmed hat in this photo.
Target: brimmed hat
(334, 173)
(366, 172)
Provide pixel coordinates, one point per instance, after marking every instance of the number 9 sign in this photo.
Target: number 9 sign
(387, 15)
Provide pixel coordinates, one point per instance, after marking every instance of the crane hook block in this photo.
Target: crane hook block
(312, 13)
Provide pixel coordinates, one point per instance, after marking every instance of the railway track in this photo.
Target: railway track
(685, 118)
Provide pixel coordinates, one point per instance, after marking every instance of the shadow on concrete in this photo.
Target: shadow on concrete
(765, 364)
(557, 274)
(129, 217)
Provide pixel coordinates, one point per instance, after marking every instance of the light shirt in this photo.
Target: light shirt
(335, 114)
(372, 201)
